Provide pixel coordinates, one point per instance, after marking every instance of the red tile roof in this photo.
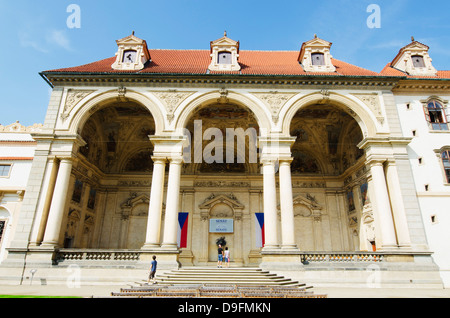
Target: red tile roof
(197, 62)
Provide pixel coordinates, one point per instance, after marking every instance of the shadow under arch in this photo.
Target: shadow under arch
(363, 117)
(84, 111)
(232, 98)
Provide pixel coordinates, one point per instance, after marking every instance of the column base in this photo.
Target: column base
(281, 260)
(169, 247)
(269, 248)
(389, 248)
(166, 258)
(290, 247)
(150, 246)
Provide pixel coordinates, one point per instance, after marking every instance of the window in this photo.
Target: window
(224, 58)
(4, 170)
(418, 61)
(2, 229)
(446, 163)
(129, 56)
(435, 115)
(317, 59)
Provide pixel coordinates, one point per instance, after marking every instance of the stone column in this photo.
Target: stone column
(383, 207)
(45, 199)
(155, 208)
(172, 203)
(270, 205)
(56, 214)
(398, 209)
(287, 206)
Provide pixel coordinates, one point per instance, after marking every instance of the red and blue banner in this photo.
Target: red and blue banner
(182, 229)
(259, 229)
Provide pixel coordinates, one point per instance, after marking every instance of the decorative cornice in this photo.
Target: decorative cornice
(422, 84)
(192, 80)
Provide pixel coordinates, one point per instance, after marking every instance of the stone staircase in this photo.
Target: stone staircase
(241, 276)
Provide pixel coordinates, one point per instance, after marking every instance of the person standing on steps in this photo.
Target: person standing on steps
(151, 277)
(219, 256)
(227, 257)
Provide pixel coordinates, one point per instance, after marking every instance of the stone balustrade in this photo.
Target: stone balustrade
(342, 257)
(97, 255)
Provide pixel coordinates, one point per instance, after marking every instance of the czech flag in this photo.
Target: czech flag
(182, 229)
(259, 229)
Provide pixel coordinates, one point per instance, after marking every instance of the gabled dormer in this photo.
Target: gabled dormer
(315, 56)
(132, 54)
(224, 55)
(413, 59)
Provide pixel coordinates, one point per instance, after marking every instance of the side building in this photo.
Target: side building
(16, 156)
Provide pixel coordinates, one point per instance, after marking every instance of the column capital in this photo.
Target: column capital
(268, 161)
(66, 158)
(285, 160)
(176, 160)
(159, 159)
(371, 162)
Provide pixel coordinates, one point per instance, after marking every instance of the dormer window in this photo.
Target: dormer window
(224, 58)
(418, 61)
(132, 54)
(315, 56)
(413, 59)
(224, 55)
(317, 59)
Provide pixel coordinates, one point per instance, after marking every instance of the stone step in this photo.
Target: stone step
(243, 276)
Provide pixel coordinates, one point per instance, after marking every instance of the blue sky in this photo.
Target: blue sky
(36, 36)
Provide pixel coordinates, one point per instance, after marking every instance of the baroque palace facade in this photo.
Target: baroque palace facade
(304, 164)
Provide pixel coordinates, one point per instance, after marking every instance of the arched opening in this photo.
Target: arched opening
(328, 171)
(221, 166)
(113, 166)
(223, 140)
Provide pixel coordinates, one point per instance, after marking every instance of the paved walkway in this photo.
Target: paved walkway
(332, 292)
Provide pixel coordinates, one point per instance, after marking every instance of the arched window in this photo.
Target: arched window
(418, 61)
(129, 56)
(224, 58)
(317, 59)
(445, 155)
(435, 115)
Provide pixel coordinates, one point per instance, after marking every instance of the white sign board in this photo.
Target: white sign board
(221, 225)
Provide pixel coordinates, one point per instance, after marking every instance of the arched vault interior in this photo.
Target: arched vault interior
(117, 138)
(326, 141)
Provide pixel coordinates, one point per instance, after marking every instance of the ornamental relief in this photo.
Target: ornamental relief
(373, 102)
(274, 101)
(171, 99)
(73, 97)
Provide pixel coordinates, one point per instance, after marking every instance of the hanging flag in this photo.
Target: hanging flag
(259, 229)
(182, 229)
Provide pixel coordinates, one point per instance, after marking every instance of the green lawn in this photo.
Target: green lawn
(35, 296)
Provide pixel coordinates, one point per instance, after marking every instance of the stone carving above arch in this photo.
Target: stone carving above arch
(373, 102)
(215, 205)
(130, 205)
(73, 97)
(307, 206)
(274, 101)
(171, 100)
